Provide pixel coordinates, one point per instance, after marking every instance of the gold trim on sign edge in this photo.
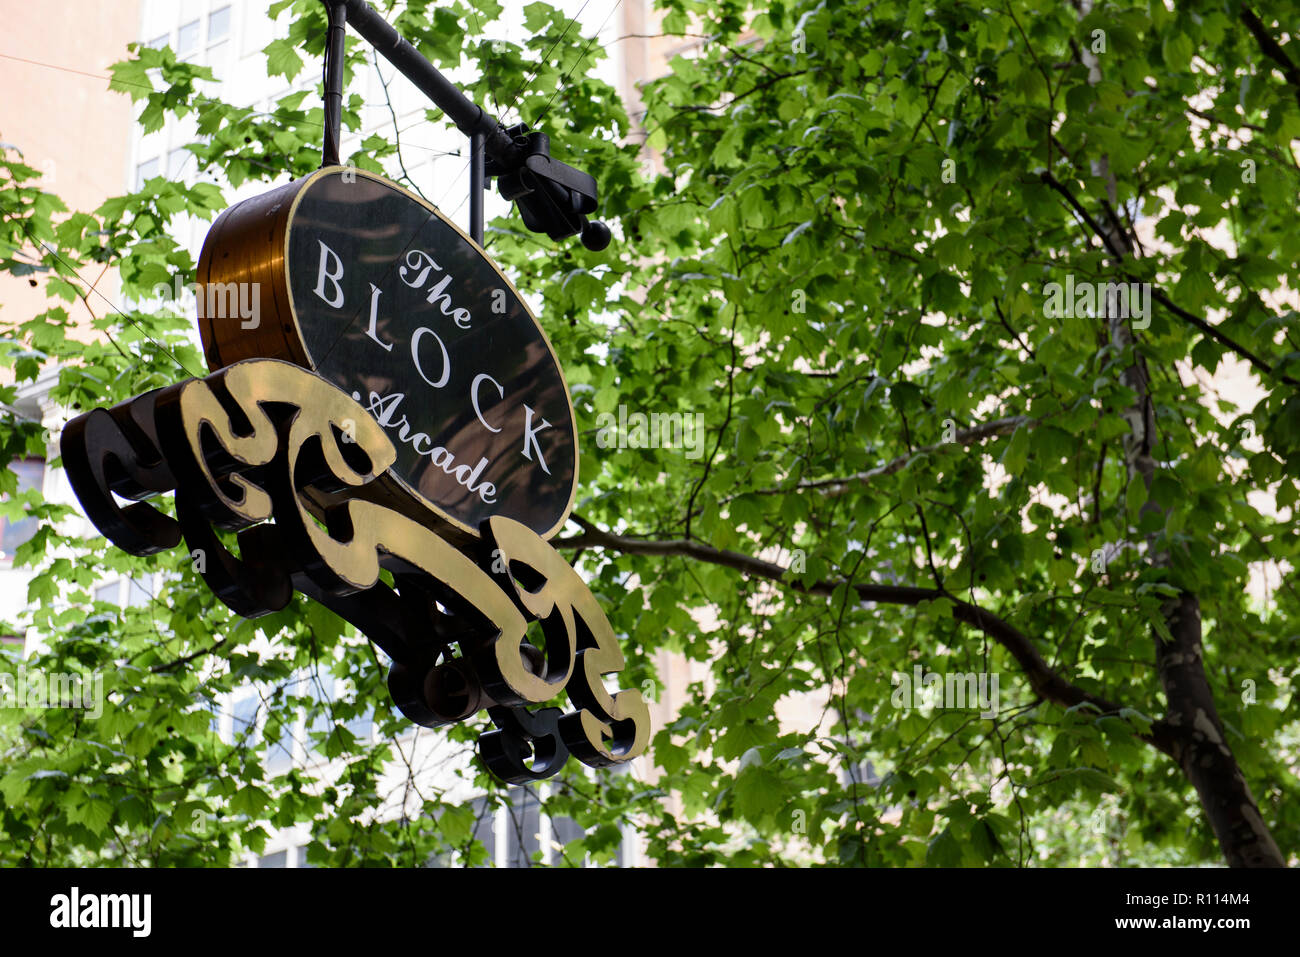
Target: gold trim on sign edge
(434, 211)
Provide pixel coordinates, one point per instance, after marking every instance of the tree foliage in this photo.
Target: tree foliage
(834, 246)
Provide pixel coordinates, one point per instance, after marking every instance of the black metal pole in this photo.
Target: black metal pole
(553, 197)
(476, 188)
(337, 11)
(468, 116)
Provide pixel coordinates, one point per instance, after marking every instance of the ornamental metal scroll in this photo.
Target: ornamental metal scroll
(291, 464)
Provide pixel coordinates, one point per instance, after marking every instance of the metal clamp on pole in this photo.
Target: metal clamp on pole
(552, 197)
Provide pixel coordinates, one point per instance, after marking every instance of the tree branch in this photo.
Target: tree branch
(1271, 48)
(1214, 333)
(1045, 681)
(964, 437)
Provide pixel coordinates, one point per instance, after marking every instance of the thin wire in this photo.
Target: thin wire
(532, 76)
(253, 113)
(514, 99)
(558, 87)
(478, 30)
(111, 305)
(585, 50)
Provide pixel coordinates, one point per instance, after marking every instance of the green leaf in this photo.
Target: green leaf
(94, 813)
(759, 793)
(282, 58)
(1176, 50)
(943, 851)
(1017, 451)
(1135, 496)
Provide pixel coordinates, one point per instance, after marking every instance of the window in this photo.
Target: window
(218, 59)
(176, 161)
(523, 828)
(218, 25)
(139, 593)
(145, 172)
(188, 39)
(319, 690)
(563, 831)
(245, 718)
(359, 725)
(157, 42)
(485, 827)
(214, 717)
(278, 859)
(441, 859)
(325, 689)
(279, 757)
(13, 532)
(864, 773)
(219, 45)
(110, 593)
(516, 830)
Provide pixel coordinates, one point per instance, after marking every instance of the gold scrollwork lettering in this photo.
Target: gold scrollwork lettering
(265, 447)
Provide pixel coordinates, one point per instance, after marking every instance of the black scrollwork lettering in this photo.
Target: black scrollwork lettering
(284, 458)
(107, 451)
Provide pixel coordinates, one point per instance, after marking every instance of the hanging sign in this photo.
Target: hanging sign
(375, 291)
(391, 404)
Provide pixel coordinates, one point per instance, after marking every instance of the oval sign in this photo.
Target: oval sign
(378, 293)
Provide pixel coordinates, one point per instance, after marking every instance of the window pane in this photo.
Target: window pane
(139, 593)
(157, 42)
(564, 830)
(218, 24)
(246, 717)
(279, 757)
(218, 59)
(278, 859)
(864, 773)
(13, 532)
(523, 821)
(320, 690)
(360, 726)
(484, 827)
(188, 39)
(214, 718)
(31, 473)
(145, 171)
(176, 161)
(108, 593)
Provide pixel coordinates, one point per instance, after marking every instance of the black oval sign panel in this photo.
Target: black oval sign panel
(396, 306)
